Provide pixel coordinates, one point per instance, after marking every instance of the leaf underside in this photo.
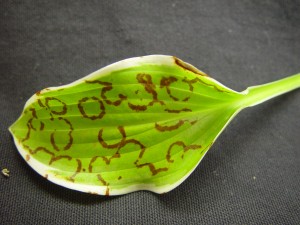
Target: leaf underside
(143, 123)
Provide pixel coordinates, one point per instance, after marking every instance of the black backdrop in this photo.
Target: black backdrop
(250, 175)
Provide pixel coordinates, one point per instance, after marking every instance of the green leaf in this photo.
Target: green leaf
(140, 124)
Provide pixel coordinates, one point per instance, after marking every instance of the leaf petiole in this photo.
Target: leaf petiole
(258, 94)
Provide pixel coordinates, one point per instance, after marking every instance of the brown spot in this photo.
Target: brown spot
(30, 124)
(42, 126)
(120, 177)
(98, 82)
(56, 158)
(193, 122)
(146, 81)
(27, 158)
(142, 152)
(191, 147)
(122, 131)
(152, 168)
(100, 178)
(168, 156)
(166, 82)
(137, 108)
(46, 176)
(136, 142)
(117, 145)
(64, 106)
(169, 128)
(188, 67)
(38, 92)
(178, 110)
(38, 149)
(78, 170)
(190, 83)
(197, 79)
(29, 127)
(107, 191)
(108, 160)
(40, 103)
(91, 163)
(33, 112)
(185, 149)
(69, 144)
(94, 117)
(52, 140)
(83, 169)
(186, 99)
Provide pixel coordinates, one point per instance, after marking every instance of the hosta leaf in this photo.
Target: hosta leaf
(140, 124)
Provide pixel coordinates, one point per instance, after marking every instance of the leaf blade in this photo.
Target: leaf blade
(159, 104)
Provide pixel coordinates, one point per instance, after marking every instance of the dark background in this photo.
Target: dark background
(250, 175)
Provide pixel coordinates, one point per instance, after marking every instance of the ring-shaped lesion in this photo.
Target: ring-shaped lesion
(63, 111)
(83, 111)
(30, 125)
(184, 147)
(119, 145)
(146, 81)
(166, 82)
(107, 86)
(70, 137)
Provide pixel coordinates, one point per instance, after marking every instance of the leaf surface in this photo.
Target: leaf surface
(139, 124)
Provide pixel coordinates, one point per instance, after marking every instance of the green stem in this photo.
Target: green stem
(261, 93)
